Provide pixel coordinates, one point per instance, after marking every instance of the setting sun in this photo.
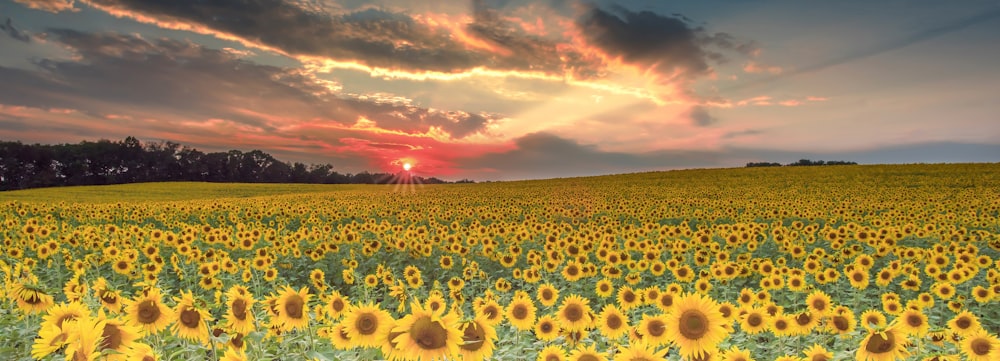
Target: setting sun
(407, 166)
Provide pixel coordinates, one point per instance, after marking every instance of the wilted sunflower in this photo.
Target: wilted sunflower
(425, 335)
(521, 313)
(190, 319)
(981, 346)
(886, 344)
(612, 322)
(367, 325)
(239, 313)
(696, 325)
(293, 308)
(574, 313)
(478, 340)
(30, 298)
(148, 312)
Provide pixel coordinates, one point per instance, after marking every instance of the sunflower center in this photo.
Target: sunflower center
(629, 297)
(981, 347)
(754, 320)
(520, 312)
(474, 338)
(239, 309)
(614, 322)
(64, 318)
(111, 337)
(693, 324)
(552, 358)
(857, 277)
(803, 319)
(148, 312)
(108, 297)
(840, 322)
(780, 325)
(337, 305)
(546, 327)
(879, 344)
(428, 334)
(914, 321)
(666, 300)
(293, 307)
(573, 313)
(819, 358)
(366, 324)
(148, 358)
(588, 358)
(963, 323)
(547, 294)
(657, 328)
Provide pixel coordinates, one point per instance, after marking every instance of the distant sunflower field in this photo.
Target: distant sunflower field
(793, 263)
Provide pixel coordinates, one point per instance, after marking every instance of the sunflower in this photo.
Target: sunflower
(85, 343)
(782, 325)
(148, 312)
(695, 325)
(335, 306)
(666, 301)
(552, 353)
(337, 334)
(547, 328)
(367, 325)
(964, 323)
(628, 298)
(426, 334)
(293, 308)
(547, 294)
(818, 353)
(754, 321)
(818, 302)
(980, 346)
(652, 329)
(586, 353)
(574, 314)
(612, 322)
(842, 322)
(872, 319)
(30, 298)
(943, 290)
(239, 313)
(233, 354)
(913, 323)
(478, 340)
(883, 345)
(491, 312)
(736, 354)
(604, 288)
(521, 313)
(118, 337)
(191, 320)
(640, 351)
(141, 351)
(51, 338)
(63, 312)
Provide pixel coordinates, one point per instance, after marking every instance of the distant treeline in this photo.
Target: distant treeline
(801, 162)
(130, 161)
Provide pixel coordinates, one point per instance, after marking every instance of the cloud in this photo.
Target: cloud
(52, 6)
(667, 44)
(112, 75)
(546, 155)
(9, 29)
(699, 115)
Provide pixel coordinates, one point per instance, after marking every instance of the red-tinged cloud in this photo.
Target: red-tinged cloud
(52, 6)
(514, 41)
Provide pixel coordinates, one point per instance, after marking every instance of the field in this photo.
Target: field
(791, 263)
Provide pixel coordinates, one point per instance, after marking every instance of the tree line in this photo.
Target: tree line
(801, 162)
(25, 166)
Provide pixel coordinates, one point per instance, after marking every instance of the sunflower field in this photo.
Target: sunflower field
(881, 263)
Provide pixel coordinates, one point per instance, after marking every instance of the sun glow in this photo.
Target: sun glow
(407, 166)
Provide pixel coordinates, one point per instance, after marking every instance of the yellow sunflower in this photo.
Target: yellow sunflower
(191, 320)
(586, 353)
(117, 337)
(547, 328)
(51, 338)
(819, 302)
(964, 323)
(872, 319)
(521, 313)
(574, 313)
(426, 334)
(696, 325)
(818, 353)
(367, 325)
(478, 340)
(640, 351)
(63, 312)
(887, 344)
(612, 322)
(30, 298)
(337, 334)
(233, 354)
(552, 353)
(85, 343)
(754, 321)
(628, 298)
(148, 312)
(980, 346)
(736, 354)
(604, 288)
(547, 294)
(239, 313)
(141, 351)
(913, 323)
(293, 308)
(653, 329)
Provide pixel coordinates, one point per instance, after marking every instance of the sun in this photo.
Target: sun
(407, 166)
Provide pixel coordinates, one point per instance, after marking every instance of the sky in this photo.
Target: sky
(511, 89)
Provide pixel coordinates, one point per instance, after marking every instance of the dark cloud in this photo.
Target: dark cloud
(545, 155)
(670, 44)
(9, 29)
(700, 116)
(125, 74)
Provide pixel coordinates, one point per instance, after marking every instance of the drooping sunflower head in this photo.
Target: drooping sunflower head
(191, 319)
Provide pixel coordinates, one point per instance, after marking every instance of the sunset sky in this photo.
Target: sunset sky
(511, 89)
